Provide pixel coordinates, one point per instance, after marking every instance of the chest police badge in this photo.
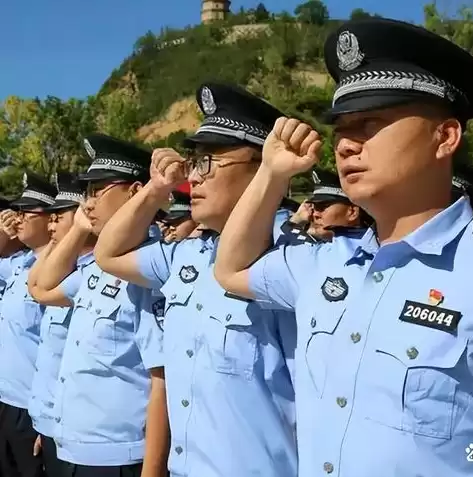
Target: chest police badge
(334, 289)
(92, 282)
(188, 274)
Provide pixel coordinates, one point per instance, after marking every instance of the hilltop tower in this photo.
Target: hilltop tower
(213, 10)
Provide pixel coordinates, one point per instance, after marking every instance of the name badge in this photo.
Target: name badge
(435, 317)
(110, 291)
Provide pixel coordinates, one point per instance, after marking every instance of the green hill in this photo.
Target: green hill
(150, 97)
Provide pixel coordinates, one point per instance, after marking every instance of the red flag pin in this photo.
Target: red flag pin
(435, 297)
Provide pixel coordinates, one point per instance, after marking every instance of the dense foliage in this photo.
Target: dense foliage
(274, 55)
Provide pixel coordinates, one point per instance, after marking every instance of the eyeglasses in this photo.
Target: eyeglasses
(96, 190)
(28, 215)
(202, 163)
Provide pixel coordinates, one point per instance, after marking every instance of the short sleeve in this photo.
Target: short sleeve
(149, 333)
(271, 278)
(154, 262)
(71, 284)
(6, 267)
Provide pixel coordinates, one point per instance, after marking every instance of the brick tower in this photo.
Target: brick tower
(214, 10)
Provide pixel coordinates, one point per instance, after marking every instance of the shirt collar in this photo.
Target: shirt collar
(431, 237)
(86, 259)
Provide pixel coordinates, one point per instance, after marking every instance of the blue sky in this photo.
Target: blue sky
(67, 48)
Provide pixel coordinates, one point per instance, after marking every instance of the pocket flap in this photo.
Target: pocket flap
(433, 350)
(177, 293)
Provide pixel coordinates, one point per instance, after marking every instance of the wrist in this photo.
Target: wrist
(274, 180)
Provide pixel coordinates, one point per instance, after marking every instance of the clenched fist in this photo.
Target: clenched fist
(9, 221)
(292, 147)
(168, 169)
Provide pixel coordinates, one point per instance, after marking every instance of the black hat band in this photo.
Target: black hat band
(126, 167)
(397, 80)
(237, 129)
(32, 194)
(323, 190)
(72, 196)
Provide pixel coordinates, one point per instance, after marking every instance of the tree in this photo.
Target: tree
(261, 14)
(314, 12)
(359, 14)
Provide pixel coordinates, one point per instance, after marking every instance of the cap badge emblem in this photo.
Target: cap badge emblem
(348, 51)
(90, 150)
(25, 180)
(316, 178)
(208, 102)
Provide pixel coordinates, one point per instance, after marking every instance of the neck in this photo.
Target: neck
(394, 226)
(87, 249)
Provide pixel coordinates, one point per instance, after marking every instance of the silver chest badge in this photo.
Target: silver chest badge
(208, 102)
(348, 51)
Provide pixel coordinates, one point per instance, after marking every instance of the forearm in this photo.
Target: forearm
(157, 430)
(248, 231)
(36, 269)
(62, 260)
(128, 228)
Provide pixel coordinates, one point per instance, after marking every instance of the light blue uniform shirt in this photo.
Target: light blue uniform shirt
(228, 362)
(53, 333)
(20, 319)
(104, 382)
(384, 368)
(8, 264)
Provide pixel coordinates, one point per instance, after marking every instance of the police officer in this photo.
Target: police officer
(228, 361)
(326, 212)
(20, 319)
(178, 220)
(54, 325)
(113, 340)
(385, 327)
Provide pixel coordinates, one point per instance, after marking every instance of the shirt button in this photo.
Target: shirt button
(178, 449)
(328, 467)
(355, 337)
(190, 353)
(341, 401)
(173, 296)
(378, 277)
(61, 379)
(228, 317)
(412, 353)
(98, 311)
(313, 322)
(199, 306)
(77, 342)
(57, 419)
(185, 402)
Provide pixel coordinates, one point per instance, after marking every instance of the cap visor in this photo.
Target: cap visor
(370, 102)
(176, 216)
(211, 139)
(62, 205)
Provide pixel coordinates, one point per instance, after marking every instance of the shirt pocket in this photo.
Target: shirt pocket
(177, 296)
(102, 339)
(317, 331)
(58, 326)
(32, 315)
(231, 337)
(417, 384)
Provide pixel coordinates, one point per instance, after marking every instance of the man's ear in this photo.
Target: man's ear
(134, 188)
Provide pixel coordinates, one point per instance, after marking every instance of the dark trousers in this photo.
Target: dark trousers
(17, 438)
(58, 468)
